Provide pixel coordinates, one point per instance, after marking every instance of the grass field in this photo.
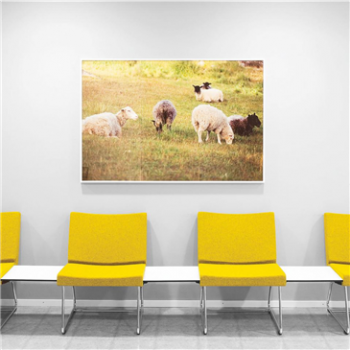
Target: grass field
(140, 154)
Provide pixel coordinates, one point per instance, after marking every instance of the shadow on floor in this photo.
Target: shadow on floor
(173, 328)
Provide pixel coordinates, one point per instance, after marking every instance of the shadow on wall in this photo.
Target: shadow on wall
(281, 247)
(105, 293)
(188, 257)
(172, 189)
(185, 257)
(315, 247)
(192, 246)
(154, 252)
(315, 255)
(35, 239)
(236, 293)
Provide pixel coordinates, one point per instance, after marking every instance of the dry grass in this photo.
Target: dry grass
(142, 155)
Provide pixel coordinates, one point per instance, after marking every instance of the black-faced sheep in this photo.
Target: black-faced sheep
(206, 86)
(208, 95)
(164, 112)
(108, 124)
(244, 126)
(208, 118)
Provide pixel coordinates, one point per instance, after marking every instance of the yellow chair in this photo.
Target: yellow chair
(337, 238)
(10, 223)
(238, 250)
(105, 250)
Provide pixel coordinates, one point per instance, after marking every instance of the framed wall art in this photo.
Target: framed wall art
(172, 121)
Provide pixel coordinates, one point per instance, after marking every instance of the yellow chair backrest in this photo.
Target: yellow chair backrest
(337, 238)
(107, 239)
(236, 238)
(10, 223)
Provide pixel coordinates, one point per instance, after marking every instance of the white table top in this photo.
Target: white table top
(172, 274)
(32, 273)
(311, 274)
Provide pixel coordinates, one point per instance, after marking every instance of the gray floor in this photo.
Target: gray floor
(164, 328)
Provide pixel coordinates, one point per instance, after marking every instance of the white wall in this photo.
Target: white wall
(306, 51)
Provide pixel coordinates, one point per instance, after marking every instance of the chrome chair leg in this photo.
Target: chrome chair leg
(14, 294)
(138, 329)
(205, 325)
(15, 306)
(329, 294)
(280, 309)
(346, 329)
(142, 305)
(201, 311)
(269, 299)
(65, 325)
(278, 325)
(347, 310)
(74, 300)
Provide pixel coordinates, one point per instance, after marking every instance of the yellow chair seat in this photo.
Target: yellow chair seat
(101, 275)
(343, 270)
(5, 268)
(241, 275)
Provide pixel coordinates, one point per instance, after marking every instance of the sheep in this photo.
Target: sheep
(164, 112)
(208, 118)
(108, 124)
(206, 86)
(210, 95)
(244, 126)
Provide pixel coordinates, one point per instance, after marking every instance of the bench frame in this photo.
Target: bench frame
(177, 274)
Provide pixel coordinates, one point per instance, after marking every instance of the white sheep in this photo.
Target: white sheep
(208, 118)
(108, 124)
(208, 95)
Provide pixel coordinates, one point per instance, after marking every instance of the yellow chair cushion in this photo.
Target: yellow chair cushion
(4, 268)
(236, 238)
(343, 270)
(107, 239)
(337, 238)
(222, 275)
(101, 275)
(10, 228)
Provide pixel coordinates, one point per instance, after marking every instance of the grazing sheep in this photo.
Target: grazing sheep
(208, 118)
(206, 86)
(210, 95)
(164, 112)
(256, 64)
(244, 126)
(108, 124)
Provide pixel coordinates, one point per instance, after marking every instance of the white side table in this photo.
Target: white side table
(21, 273)
(171, 274)
(320, 274)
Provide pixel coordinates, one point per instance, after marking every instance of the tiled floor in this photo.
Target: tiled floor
(39, 328)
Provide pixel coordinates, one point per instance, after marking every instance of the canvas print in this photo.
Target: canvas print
(172, 121)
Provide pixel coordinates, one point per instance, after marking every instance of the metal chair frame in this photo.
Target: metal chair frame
(12, 310)
(140, 305)
(204, 314)
(332, 312)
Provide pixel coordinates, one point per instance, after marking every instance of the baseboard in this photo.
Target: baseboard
(174, 303)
